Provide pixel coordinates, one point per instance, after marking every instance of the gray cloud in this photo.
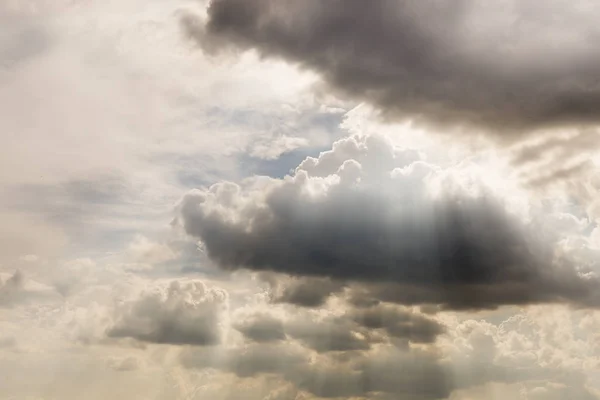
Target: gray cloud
(17, 290)
(306, 292)
(363, 213)
(554, 159)
(23, 40)
(399, 323)
(332, 334)
(354, 330)
(507, 65)
(248, 361)
(411, 373)
(558, 147)
(183, 313)
(474, 354)
(561, 174)
(7, 342)
(261, 328)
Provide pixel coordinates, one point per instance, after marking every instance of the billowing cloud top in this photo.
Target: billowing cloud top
(410, 231)
(505, 65)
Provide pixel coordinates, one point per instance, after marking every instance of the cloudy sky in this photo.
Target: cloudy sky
(299, 200)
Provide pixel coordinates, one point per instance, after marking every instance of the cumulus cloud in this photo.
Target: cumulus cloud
(541, 348)
(182, 313)
(508, 65)
(409, 231)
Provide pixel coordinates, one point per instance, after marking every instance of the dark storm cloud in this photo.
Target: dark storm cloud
(184, 313)
(505, 65)
(382, 228)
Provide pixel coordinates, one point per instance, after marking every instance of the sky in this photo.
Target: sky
(299, 200)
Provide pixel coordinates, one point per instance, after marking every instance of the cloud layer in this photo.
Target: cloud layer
(507, 65)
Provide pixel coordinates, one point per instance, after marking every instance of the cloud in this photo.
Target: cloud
(304, 292)
(11, 289)
(182, 313)
(261, 328)
(8, 342)
(124, 364)
(248, 361)
(541, 348)
(16, 290)
(560, 391)
(410, 232)
(353, 330)
(399, 323)
(74, 275)
(508, 66)
(328, 334)
(144, 253)
(413, 374)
